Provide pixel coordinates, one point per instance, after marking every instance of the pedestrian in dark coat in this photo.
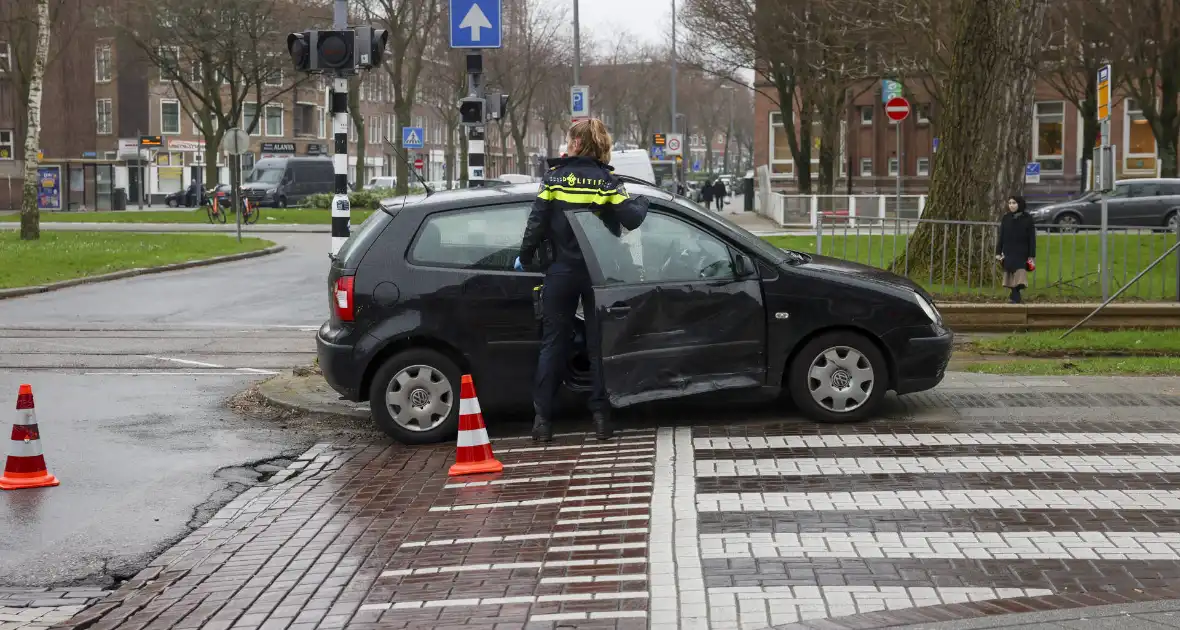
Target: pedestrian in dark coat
(707, 194)
(1016, 246)
(719, 194)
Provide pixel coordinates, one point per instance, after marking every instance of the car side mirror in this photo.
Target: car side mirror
(742, 266)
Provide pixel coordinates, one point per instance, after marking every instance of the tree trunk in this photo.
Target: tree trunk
(830, 110)
(30, 215)
(449, 158)
(984, 140)
(1090, 130)
(463, 165)
(403, 109)
(212, 147)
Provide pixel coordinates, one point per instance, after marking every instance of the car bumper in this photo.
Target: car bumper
(921, 354)
(336, 362)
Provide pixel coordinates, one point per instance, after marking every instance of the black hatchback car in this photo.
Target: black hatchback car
(425, 291)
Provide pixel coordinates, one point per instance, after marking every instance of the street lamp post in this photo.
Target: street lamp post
(577, 47)
(673, 66)
(729, 132)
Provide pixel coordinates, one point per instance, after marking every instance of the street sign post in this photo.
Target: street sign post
(890, 90)
(898, 109)
(476, 24)
(673, 144)
(237, 142)
(1106, 170)
(413, 137)
(1032, 173)
(579, 102)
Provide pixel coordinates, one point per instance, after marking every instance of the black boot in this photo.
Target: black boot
(602, 425)
(542, 429)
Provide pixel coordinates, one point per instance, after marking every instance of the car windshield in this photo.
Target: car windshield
(742, 234)
(265, 176)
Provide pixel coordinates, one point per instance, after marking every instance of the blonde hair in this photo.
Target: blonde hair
(594, 140)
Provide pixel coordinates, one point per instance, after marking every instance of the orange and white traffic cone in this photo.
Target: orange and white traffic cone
(26, 461)
(473, 453)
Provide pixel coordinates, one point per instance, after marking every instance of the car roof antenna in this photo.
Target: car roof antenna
(409, 167)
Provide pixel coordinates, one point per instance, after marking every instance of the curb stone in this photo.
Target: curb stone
(292, 392)
(139, 271)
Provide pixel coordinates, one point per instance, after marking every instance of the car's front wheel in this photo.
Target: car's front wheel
(174, 203)
(838, 377)
(414, 397)
(1068, 222)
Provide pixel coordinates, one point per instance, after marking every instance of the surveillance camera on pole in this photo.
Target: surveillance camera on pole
(341, 52)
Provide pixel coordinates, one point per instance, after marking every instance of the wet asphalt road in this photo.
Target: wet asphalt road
(130, 379)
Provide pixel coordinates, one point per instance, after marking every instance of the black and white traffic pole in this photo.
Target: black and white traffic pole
(476, 131)
(341, 210)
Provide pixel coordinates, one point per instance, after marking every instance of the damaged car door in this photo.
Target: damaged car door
(679, 311)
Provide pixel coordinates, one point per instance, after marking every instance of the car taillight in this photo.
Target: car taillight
(345, 307)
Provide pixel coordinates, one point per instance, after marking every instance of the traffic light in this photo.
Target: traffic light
(471, 111)
(333, 50)
(497, 104)
(299, 45)
(370, 46)
(320, 51)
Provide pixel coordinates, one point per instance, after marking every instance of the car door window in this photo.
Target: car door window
(1121, 191)
(1145, 190)
(479, 238)
(663, 249)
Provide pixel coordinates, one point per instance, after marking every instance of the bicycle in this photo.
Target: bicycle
(250, 213)
(215, 214)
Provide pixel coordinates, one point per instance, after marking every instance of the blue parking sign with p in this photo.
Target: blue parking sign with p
(413, 137)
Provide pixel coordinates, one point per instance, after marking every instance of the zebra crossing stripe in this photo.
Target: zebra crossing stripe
(763, 606)
(934, 439)
(954, 545)
(992, 499)
(937, 465)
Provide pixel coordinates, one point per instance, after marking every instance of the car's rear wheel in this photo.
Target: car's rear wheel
(838, 377)
(414, 397)
(173, 202)
(1173, 221)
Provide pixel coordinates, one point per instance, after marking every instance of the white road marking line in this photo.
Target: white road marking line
(615, 465)
(611, 486)
(528, 502)
(620, 434)
(498, 601)
(760, 607)
(557, 462)
(163, 373)
(603, 508)
(581, 616)
(184, 361)
(941, 465)
(548, 478)
(586, 579)
(257, 371)
(513, 566)
(605, 519)
(934, 439)
(947, 545)
(985, 499)
(512, 537)
(607, 547)
(537, 449)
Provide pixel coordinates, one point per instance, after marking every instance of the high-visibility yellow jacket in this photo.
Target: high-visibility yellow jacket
(577, 183)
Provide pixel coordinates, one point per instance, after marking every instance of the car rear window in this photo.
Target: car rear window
(358, 243)
(478, 238)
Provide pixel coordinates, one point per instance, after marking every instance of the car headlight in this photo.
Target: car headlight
(272, 191)
(928, 308)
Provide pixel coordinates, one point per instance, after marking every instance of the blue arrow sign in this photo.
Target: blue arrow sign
(1033, 168)
(696, 166)
(413, 137)
(476, 24)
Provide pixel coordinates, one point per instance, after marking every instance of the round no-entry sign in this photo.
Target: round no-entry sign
(897, 109)
(418, 163)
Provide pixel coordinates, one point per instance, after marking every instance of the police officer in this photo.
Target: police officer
(580, 180)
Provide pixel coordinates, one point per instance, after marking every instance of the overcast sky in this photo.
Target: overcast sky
(647, 20)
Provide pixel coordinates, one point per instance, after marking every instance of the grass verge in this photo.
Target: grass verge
(1048, 343)
(1067, 265)
(1095, 366)
(61, 256)
(276, 216)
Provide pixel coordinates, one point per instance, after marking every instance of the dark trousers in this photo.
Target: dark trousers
(720, 203)
(559, 303)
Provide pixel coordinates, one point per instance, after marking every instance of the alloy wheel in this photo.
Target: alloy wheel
(840, 379)
(419, 397)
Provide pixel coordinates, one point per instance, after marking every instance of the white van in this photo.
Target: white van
(633, 162)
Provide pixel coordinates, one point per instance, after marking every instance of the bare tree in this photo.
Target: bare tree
(30, 215)
(412, 39)
(986, 103)
(1078, 43)
(19, 28)
(521, 66)
(1147, 46)
(214, 54)
(445, 83)
(647, 71)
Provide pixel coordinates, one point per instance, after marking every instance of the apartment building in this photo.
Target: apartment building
(869, 143)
